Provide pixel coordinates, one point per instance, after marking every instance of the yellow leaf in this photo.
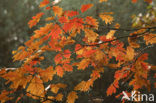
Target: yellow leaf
(71, 97)
(91, 35)
(107, 18)
(110, 34)
(130, 53)
(36, 87)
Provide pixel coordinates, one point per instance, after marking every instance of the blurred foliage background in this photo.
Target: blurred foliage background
(14, 31)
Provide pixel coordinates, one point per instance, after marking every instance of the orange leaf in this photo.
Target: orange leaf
(57, 10)
(91, 22)
(134, 1)
(44, 3)
(110, 34)
(56, 87)
(63, 19)
(78, 47)
(95, 74)
(4, 97)
(35, 19)
(143, 57)
(67, 53)
(71, 13)
(2, 71)
(71, 97)
(47, 74)
(86, 7)
(36, 87)
(84, 85)
(103, 1)
(49, 18)
(58, 58)
(107, 18)
(133, 41)
(17, 78)
(150, 39)
(83, 64)
(59, 70)
(111, 90)
(59, 97)
(91, 35)
(130, 53)
(67, 67)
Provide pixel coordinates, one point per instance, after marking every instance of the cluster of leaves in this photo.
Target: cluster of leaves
(90, 49)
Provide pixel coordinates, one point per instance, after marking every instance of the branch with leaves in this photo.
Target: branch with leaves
(78, 46)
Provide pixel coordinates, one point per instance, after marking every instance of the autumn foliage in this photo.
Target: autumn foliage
(92, 50)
